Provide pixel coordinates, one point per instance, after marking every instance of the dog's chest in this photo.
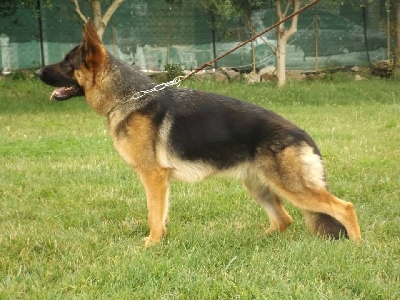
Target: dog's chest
(133, 136)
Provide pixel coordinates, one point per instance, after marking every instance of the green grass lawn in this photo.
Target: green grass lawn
(73, 215)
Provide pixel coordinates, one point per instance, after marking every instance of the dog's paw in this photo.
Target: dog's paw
(148, 242)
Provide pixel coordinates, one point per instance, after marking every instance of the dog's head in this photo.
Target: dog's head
(70, 75)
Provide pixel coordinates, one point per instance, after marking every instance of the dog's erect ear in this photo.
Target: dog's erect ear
(94, 51)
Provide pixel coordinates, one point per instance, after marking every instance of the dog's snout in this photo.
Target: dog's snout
(39, 72)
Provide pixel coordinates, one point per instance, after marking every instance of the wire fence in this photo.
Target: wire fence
(152, 33)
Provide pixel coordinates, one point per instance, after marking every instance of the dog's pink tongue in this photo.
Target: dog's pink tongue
(55, 92)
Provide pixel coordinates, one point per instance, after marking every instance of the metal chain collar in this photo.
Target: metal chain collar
(176, 81)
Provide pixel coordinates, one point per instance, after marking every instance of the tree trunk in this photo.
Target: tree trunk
(253, 58)
(253, 54)
(283, 36)
(281, 58)
(316, 34)
(397, 50)
(388, 33)
(96, 12)
(100, 21)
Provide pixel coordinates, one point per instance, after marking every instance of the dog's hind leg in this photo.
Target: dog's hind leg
(298, 176)
(156, 184)
(278, 216)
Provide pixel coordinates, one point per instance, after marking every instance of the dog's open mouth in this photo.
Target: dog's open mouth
(64, 93)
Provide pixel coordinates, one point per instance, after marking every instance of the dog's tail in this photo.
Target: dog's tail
(324, 225)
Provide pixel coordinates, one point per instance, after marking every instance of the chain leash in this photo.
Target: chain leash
(176, 81)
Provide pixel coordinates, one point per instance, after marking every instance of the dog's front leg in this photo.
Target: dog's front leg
(156, 184)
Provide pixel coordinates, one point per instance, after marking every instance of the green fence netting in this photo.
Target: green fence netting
(151, 34)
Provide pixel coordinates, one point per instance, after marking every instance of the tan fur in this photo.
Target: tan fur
(300, 181)
(98, 93)
(136, 147)
(156, 185)
(308, 199)
(313, 169)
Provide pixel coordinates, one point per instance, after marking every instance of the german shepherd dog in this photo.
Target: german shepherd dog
(189, 135)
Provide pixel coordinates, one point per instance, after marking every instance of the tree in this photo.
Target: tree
(397, 33)
(234, 8)
(393, 6)
(284, 34)
(99, 20)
